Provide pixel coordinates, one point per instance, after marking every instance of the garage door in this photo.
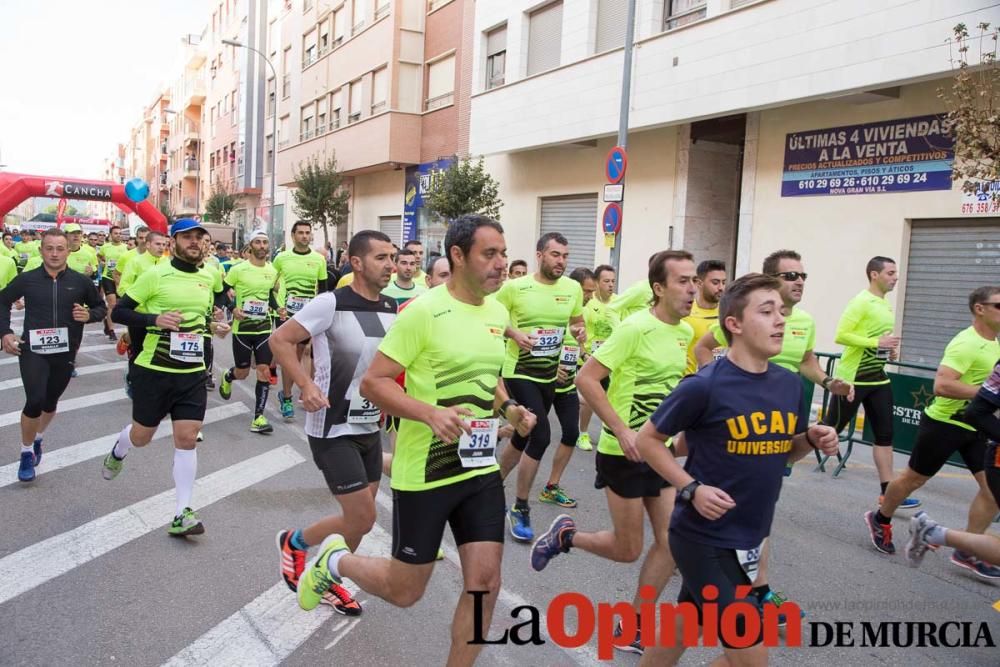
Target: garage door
(574, 217)
(392, 226)
(947, 260)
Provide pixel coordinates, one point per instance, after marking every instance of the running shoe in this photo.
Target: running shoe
(187, 523)
(342, 601)
(122, 347)
(26, 469)
(880, 534)
(317, 579)
(978, 567)
(440, 554)
(112, 466)
(37, 448)
(788, 469)
(777, 599)
(209, 382)
(554, 541)
(261, 425)
(293, 560)
(111, 336)
(636, 645)
(273, 379)
(225, 387)
(908, 504)
(74, 374)
(287, 408)
(916, 547)
(583, 442)
(520, 524)
(200, 437)
(553, 493)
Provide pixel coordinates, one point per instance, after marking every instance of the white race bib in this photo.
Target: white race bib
(112, 263)
(548, 342)
(569, 356)
(595, 346)
(362, 411)
(49, 341)
(255, 309)
(478, 449)
(719, 353)
(187, 347)
(294, 304)
(749, 560)
(24, 257)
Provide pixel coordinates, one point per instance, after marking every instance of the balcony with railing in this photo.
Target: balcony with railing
(190, 167)
(194, 93)
(192, 132)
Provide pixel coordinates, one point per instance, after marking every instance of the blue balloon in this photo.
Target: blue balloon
(137, 190)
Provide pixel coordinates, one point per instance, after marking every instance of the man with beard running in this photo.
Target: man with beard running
(170, 302)
(705, 309)
(542, 306)
(346, 327)
(303, 275)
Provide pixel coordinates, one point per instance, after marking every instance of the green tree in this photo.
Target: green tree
(220, 205)
(167, 211)
(319, 196)
(52, 209)
(973, 103)
(464, 188)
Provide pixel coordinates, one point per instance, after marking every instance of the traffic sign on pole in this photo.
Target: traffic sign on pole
(612, 220)
(616, 164)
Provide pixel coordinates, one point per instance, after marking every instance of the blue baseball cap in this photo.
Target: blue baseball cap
(185, 225)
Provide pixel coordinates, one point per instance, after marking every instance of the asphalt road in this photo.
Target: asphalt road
(88, 575)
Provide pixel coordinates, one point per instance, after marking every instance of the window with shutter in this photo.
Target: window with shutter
(335, 109)
(611, 19)
(440, 83)
(355, 102)
(379, 79)
(309, 48)
(545, 38)
(321, 111)
(496, 57)
(339, 21)
(575, 217)
(682, 12)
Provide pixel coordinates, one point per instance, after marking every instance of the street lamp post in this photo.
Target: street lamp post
(274, 127)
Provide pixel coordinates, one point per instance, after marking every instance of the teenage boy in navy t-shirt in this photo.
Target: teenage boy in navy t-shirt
(739, 417)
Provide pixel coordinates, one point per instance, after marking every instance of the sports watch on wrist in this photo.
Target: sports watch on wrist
(687, 493)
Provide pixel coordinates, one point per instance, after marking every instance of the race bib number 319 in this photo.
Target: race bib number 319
(477, 449)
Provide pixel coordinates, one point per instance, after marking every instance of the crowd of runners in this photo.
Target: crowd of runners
(442, 375)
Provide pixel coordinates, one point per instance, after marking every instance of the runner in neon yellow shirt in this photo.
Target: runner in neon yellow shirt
(600, 321)
(645, 358)
(968, 361)
(109, 255)
(705, 309)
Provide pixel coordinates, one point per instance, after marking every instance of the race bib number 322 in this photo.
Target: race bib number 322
(548, 342)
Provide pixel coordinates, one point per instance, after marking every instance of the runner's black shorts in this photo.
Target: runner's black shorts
(537, 397)
(991, 465)
(251, 349)
(628, 479)
(474, 508)
(701, 565)
(567, 407)
(108, 285)
(877, 399)
(938, 440)
(44, 378)
(391, 424)
(349, 463)
(157, 394)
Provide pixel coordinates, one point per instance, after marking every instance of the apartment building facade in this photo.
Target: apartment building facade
(754, 125)
(185, 189)
(381, 85)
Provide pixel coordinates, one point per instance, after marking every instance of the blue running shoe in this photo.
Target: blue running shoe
(777, 599)
(26, 471)
(978, 567)
(520, 524)
(37, 446)
(287, 408)
(554, 541)
(910, 504)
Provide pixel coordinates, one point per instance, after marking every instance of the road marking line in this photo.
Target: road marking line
(272, 626)
(43, 561)
(78, 403)
(81, 370)
(86, 348)
(66, 456)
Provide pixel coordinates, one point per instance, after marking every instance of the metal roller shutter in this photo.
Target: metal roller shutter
(392, 226)
(545, 38)
(611, 19)
(574, 217)
(947, 260)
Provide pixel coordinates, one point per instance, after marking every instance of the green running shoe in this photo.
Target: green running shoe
(225, 387)
(112, 466)
(317, 578)
(261, 425)
(187, 523)
(553, 493)
(583, 443)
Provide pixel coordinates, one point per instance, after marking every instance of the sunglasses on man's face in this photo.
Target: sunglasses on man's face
(995, 304)
(791, 276)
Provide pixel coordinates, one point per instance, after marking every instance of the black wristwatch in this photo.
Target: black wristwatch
(687, 493)
(827, 381)
(506, 404)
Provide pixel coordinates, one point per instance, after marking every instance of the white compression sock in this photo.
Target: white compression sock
(185, 470)
(124, 442)
(27, 449)
(39, 436)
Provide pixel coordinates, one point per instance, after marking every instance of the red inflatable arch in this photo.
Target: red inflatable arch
(15, 188)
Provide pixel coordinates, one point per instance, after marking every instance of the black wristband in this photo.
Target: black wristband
(506, 404)
(826, 382)
(809, 440)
